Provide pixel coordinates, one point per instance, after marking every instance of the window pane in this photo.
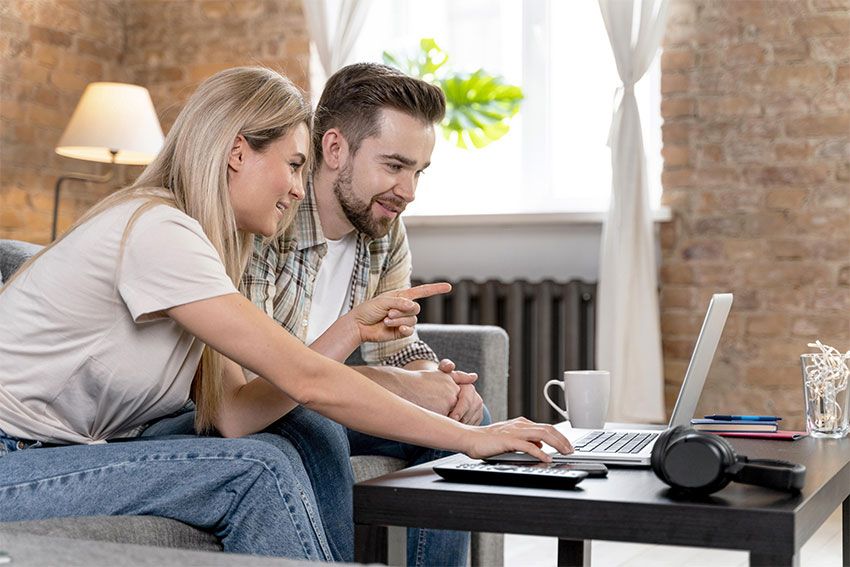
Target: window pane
(583, 81)
(476, 34)
(555, 158)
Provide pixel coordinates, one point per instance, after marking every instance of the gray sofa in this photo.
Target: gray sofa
(481, 349)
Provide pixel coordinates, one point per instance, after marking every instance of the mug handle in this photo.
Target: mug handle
(557, 408)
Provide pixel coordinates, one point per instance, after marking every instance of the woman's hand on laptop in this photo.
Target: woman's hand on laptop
(519, 434)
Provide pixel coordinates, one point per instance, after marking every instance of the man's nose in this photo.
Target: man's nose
(406, 188)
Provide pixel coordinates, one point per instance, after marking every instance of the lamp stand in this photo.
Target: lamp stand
(78, 177)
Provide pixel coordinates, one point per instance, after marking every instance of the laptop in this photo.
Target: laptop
(633, 447)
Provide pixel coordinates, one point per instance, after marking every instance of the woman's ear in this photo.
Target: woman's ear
(334, 149)
(236, 157)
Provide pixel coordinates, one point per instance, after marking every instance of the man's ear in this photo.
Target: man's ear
(334, 149)
(236, 157)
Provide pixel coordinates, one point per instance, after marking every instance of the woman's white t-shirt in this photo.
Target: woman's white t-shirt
(86, 351)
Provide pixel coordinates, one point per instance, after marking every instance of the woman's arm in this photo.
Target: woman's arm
(252, 405)
(249, 406)
(236, 328)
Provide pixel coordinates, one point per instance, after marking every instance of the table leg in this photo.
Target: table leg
(370, 544)
(770, 560)
(570, 553)
(845, 532)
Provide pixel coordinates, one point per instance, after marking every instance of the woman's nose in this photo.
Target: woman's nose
(297, 189)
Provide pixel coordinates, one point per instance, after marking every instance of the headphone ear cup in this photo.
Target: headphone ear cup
(730, 457)
(695, 462)
(659, 450)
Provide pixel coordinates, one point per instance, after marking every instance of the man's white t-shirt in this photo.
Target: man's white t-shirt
(333, 285)
(86, 351)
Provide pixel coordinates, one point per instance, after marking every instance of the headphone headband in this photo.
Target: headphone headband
(781, 475)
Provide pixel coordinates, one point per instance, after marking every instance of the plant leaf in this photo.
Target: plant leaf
(479, 106)
(422, 64)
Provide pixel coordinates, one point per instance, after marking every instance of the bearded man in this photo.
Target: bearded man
(373, 137)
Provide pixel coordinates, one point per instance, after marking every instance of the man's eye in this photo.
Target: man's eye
(394, 167)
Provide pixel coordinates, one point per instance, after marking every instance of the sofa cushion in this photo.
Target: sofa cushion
(142, 530)
(366, 468)
(23, 550)
(164, 532)
(13, 253)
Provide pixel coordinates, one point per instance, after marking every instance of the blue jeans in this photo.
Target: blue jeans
(424, 546)
(319, 447)
(322, 448)
(246, 492)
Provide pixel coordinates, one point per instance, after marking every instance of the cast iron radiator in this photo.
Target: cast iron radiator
(551, 326)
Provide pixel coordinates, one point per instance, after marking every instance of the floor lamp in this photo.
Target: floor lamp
(113, 123)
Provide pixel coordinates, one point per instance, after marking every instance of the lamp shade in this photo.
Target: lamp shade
(113, 117)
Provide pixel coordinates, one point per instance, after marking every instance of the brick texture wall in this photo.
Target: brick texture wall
(756, 107)
(51, 49)
(203, 37)
(49, 52)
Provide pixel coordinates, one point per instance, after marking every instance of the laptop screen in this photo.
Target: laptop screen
(706, 345)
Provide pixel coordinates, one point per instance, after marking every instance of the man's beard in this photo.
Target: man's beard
(358, 213)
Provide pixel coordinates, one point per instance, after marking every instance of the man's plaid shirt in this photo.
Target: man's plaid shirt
(280, 279)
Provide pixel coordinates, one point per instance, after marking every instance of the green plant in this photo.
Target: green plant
(479, 105)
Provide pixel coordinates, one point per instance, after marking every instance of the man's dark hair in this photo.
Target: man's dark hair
(355, 95)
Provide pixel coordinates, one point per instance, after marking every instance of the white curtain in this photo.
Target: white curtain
(334, 26)
(628, 329)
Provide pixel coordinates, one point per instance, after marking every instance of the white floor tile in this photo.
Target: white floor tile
(822, 550)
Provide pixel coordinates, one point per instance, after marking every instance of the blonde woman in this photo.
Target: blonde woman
(104, 331)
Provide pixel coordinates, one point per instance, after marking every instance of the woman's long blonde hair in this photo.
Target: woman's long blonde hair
(190, 174)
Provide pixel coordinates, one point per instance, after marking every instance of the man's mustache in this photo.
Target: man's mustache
(394, 202)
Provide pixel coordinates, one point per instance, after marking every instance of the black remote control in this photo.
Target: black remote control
(593, 469)
(512, 475)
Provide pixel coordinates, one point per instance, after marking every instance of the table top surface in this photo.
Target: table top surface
(414, 495)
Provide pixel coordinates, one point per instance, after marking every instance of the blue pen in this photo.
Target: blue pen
(744, 417)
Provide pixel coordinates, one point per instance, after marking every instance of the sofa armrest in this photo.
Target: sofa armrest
(475, 348)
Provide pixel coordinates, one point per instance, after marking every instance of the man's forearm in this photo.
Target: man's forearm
(423, 364)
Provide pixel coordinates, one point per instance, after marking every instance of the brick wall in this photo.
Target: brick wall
(203, 37)
(49, 52)
(756, 107)
(51, 49)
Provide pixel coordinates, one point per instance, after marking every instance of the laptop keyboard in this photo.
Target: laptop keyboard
(613, 442)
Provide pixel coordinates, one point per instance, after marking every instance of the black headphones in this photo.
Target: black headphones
(696, 462)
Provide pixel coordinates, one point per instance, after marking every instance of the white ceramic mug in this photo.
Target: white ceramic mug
(587, 393)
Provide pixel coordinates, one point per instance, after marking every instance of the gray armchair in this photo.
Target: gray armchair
(473, 348)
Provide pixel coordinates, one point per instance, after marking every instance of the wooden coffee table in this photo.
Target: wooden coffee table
(631, 505)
